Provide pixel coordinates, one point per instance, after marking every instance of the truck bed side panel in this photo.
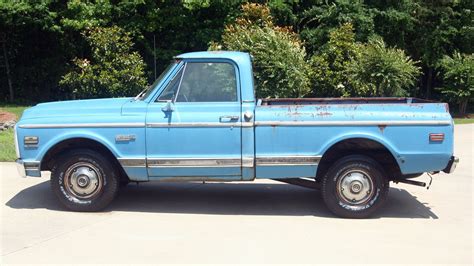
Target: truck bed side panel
(308, 131)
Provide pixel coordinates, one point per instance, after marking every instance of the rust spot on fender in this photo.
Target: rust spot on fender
(382, 128)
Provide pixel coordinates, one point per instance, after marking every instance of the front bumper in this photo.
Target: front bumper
(28, 168)
(453, 162)
(20, 166)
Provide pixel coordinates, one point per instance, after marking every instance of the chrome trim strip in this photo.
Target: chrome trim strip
(287, 160)
(353, 123)
(132, 162)
(247, 124)
(244, 124)
(220, 162)
(83, 125)
(248, 162)
(303, 123)
(194, 124)
(194, 162)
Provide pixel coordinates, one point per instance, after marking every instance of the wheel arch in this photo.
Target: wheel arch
(365, 144)
(63, 144)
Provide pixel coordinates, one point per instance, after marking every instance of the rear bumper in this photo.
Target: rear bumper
(451, 165)
(28, 168)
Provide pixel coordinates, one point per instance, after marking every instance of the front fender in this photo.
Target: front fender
(76, 134)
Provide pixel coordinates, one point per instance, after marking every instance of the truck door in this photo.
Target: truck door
(194, 125)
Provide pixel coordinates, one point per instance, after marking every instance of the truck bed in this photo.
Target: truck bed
(320, 101)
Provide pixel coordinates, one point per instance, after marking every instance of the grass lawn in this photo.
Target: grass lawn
(7, 146)
(7, 143)
(16, 109)
(469, 120)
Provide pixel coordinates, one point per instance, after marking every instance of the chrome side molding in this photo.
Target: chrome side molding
(355, 123)
(132, 162)
(220, 162)
(288, 160)
(245, 124)
(84, 125)
(193, 162)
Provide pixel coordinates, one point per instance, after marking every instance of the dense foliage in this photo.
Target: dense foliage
(41, 40)
(344, 67)
(113, 70)
(381, 71)
(278, 55)
(458, 79)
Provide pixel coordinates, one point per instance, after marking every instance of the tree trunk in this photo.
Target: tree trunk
(7, 67)
(429, 83)
(463, 107)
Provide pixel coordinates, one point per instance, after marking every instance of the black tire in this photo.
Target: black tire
(355, 187)
(83, 180)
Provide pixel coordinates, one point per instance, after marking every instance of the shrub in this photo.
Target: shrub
(458, 85)
(329, 65)
(280, 68)
(113, 70)
(345, 67)
(381, 71)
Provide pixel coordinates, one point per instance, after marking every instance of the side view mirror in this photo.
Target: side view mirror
(169, 107)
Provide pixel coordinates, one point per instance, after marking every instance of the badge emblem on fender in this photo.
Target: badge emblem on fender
(124, 138)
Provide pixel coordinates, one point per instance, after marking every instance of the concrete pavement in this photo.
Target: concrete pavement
(256, 222)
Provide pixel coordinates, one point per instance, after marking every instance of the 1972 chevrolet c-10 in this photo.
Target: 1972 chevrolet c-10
(200, 121)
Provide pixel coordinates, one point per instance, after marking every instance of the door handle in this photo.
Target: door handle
(228, 118)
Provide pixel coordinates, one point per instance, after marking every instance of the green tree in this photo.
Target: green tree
(280, 69)
(458, 85)
(317, 21)
(437, 28)
(345, 67)
(31, 61)
(114, 70)
(329, 65)
(381, 71)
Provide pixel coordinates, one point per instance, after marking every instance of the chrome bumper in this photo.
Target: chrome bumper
(453, 162)
(28, 168)
(20, 166)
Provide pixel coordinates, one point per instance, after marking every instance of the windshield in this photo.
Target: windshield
(146, 92)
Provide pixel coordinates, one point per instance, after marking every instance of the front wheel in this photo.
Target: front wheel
(83, 180)
(354, 187)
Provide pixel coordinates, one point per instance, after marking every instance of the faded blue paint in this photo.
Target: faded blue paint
(409, 144)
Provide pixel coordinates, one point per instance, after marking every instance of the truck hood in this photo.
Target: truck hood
(75, 108)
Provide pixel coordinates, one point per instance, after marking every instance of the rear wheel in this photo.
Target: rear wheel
(83, 180)
(355, 187)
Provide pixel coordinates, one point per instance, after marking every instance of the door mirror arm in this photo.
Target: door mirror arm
(169, 107)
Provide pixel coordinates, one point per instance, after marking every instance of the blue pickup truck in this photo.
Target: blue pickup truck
(200, 121)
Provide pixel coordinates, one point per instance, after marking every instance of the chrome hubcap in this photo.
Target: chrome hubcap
(83, 180)
(355, 187)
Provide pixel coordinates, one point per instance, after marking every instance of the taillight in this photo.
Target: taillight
(438, 137)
